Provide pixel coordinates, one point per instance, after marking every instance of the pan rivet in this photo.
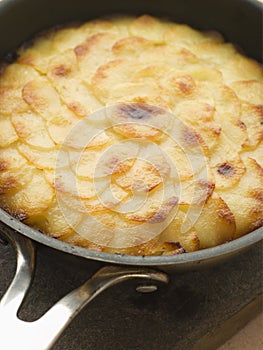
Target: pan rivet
(146, 288)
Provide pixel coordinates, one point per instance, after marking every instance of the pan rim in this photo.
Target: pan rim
(199, 256)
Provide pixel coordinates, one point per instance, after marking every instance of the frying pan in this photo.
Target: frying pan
(240, 22)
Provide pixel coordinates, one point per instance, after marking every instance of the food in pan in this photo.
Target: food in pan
(134, 136)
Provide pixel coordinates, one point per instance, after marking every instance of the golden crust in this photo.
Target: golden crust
(173, 164)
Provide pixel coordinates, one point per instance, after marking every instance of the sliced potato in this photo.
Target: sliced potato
(65, 78)
(10, 158)
(15, 104)
(8, 134)
(15, 179)
(248, 212)
(42, 98)
(221, 228)
(39, 158)
(31, 128)
(32, 199)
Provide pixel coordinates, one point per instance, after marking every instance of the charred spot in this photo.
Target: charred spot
(170, 248)
(82, 49)
(208, 190)
(226, 215)
(76, 107)
(185, 87)
(164, 211)
(256, 212)
(19, 215)
(61, 71)
(139, 111)
(217, 130)
(226, 169)
(258, 195)
(184, 84)
(259, 109)
(242, 125)
(8, 185)
(190, 136)
(3, 165)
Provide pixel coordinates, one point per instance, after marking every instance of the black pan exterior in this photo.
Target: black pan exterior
(240, 21)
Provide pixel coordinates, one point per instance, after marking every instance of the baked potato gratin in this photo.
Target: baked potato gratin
(134, 136)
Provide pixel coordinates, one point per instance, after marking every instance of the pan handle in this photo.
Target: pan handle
(44, 332)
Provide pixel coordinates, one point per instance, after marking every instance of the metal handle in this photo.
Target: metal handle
(43, 333)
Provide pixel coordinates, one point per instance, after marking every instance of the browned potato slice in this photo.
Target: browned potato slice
(61, 125)
(10, 158)
(175, 234)
(256, 154)
(15, 104)
(66, 181)
(178, 158)
(148, 92)
(42, 98)
(249, 91)
(228, 114)
(153, 208)
(185, 36)
(140, 120)
(200, 116)
(31, 128)
(195, 192)
(248, 211)
(153, 71)
(226, 164)
(63, 74)
(252, 118)
(150, 169)
(85, 135)
(131, 46)
(82, 205)
(228, 173)
(117, 159)
(112, 196)
(61, 219)
(17, 75)
(204, 75)
(84, 163)
(97, 229)
(221, 219)
(110, 75)
(41, 159)
(49, 176)
(39, 55)
(142, 177)
(32, 199)
(149, 28)
(215, 54)
(15, 179)
(68, 38)
(241, 68)
(109, 230)
(94, 52)
(8, 134)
